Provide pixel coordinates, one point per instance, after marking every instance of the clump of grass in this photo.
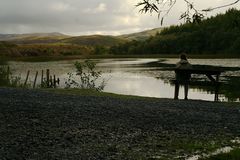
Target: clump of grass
(4, 75)
(7, 79)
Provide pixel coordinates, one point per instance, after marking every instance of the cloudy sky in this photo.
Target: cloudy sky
(82, 17)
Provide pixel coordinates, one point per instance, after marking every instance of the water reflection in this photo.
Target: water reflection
(142, 77)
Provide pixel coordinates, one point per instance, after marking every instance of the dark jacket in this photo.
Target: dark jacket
(182, 76)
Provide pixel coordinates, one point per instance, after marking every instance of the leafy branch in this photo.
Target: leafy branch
(87, 77)
(222, 6)
(192, 14)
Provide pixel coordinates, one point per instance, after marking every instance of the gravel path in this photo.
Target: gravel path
(42, 125)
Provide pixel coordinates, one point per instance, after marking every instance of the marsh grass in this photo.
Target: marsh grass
(6, 77)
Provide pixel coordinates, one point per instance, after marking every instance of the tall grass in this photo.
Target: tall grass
(6, 77)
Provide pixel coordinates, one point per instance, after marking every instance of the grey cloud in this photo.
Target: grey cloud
(63, 15)
(78, 16)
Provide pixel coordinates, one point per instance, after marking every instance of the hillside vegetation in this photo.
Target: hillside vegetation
(215, 35)
(57, 44)
(33, 38)
(8, 49)
(141, 36)
(54, 44)
(94, 40)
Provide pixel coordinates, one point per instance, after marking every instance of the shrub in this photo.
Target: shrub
(86, 77)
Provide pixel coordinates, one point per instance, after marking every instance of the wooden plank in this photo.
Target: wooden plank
(200, 71)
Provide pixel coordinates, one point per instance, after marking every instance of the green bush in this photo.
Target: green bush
(86, 77)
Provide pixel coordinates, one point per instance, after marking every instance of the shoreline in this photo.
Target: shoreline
(59, 58)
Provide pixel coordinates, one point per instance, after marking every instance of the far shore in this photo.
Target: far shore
(108, 56)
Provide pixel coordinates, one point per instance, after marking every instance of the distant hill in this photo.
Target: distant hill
(33, 38)
(112, 40)
(94, 40)
(90, 40)
(141, 36)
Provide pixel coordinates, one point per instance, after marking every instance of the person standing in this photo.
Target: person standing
(182, 77)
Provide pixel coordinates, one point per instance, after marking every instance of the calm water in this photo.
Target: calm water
(130, 76)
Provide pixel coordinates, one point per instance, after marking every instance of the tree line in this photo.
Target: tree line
(215, 35)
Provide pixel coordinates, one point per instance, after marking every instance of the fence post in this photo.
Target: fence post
(35, 79)
(42, 79)
(54, 81)
(8, 73)
(47, 74)
(217, 85)
(25, 83)
(51, 84)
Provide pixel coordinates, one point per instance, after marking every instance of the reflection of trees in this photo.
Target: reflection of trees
(231, 89)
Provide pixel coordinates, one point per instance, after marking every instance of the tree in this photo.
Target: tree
(163, 7)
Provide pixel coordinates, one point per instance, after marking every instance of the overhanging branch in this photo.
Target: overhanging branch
(191, 14)
(222, 6)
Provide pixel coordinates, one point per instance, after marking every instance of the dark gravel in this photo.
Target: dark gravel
(42, 125)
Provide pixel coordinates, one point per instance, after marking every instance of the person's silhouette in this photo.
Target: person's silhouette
(182, 77)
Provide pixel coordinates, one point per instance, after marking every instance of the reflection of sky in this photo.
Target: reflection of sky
(126, 80)
(136, 84)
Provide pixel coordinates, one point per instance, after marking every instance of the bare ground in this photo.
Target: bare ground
(43, 125)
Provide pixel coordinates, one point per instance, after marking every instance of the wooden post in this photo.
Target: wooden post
(54, 81)
(25, 83)
(42, 79)
(51, 83)
(8, 73)
(47, 74)
(34, 84)
(217, 85)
